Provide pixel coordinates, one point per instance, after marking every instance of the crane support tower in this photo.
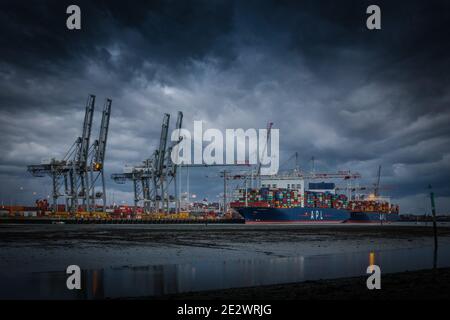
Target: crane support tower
(97, 189)
(75, 176)
(151, 179)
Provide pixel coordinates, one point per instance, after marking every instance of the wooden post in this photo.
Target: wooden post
(433, 211)
(225, 192)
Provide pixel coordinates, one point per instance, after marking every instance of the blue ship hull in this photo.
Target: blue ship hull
(311, 215)
(373, 217)
(296, 214)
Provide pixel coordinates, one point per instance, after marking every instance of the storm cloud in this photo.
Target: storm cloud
(350, 97)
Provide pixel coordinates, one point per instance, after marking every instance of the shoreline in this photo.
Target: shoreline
(42, 248)
(408, 285)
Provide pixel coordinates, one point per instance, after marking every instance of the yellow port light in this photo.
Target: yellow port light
(97, 166)
(371, 259)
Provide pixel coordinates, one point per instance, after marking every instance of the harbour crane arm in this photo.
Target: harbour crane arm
(83, 152)
(99, 157)
(162, 145)
(179, 123)
(377, 185)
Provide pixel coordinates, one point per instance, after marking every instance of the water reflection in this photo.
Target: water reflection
(209, 275)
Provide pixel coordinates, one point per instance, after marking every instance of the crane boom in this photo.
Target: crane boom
(162, 144)
(103, 136)
(377, 185)
(83, 152)
(178, 127)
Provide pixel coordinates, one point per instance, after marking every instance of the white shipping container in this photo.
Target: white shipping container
(30, 214)
(127, 169)
(46, 161)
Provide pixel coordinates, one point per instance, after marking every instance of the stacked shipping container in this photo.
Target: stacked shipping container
(287, 198)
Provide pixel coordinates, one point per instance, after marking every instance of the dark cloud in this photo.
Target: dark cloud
(352, 98)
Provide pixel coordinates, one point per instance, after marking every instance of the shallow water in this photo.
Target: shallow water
(167, 279)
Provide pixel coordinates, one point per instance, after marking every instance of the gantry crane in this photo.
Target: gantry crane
(70, 176)
(172, 166)
(97, 160)
(139, 175)
(159, 176)
(80, 165)
(150, 178)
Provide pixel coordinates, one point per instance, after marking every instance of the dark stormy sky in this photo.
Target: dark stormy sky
(350, 97)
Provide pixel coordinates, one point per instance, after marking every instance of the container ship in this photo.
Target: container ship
(285, 200)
